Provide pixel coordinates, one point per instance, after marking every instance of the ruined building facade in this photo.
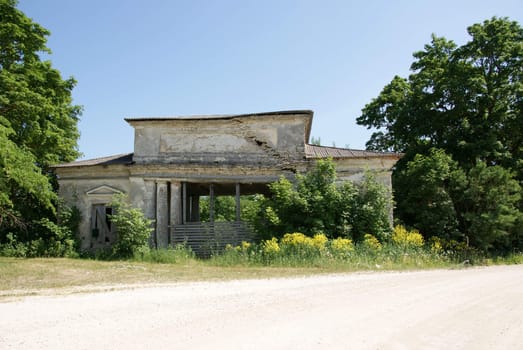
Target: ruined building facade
(176, 160)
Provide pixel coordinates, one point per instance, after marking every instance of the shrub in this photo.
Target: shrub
(371, 242)
(270, 247)
(13, 248)
(296, 240)
(45, 238)
(436, 245)
(296, 246)
(461, 252)
(372, 208)
(341, 247)
(53, 241)
(405, 238)
(133, 229)
(58, 242)
(319, 241)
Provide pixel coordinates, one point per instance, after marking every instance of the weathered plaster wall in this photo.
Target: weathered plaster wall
(84, 187)
(353, 169)
(268, 139)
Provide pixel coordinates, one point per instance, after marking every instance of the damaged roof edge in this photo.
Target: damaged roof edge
(307, 112)
(125, 159)
(217, 116)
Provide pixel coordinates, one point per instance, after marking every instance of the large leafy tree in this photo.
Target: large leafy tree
(466, 101)
(38, 122)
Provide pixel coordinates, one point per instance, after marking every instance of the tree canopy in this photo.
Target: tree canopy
(462, 109)
(38, 121)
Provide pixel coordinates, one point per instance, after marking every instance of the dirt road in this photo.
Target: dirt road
(476, 308)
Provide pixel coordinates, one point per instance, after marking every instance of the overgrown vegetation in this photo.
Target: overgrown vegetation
(53, 240)
(317, 202)
(402, 249)
(134, 229)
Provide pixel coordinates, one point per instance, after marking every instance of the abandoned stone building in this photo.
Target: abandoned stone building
(177, 160)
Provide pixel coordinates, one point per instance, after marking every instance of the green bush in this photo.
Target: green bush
(13, 247)
(317, 202)
(50, 239)
(132, 227)
(371, 243)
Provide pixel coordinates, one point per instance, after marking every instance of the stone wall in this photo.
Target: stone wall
(91, 186)
(270, 139)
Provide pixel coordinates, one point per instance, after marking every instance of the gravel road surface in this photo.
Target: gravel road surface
(474, 308)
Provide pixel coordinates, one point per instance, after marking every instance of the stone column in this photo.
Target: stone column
(184, 202)
(195, 208)
(162, 215)
(211, 203)
(176, 205)
(237, 197)
(149, 201)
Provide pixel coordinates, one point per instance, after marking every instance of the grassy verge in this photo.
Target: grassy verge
(293, 255)
(62, 275)
(33, 276)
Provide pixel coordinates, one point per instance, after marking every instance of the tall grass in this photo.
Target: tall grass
(361, 257)
(177, 254)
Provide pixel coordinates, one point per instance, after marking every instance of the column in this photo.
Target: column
(195, 208)
(176, 205)
(238, 209)
(184, 202)
(211, 203)
(149, 202)
(162, 215)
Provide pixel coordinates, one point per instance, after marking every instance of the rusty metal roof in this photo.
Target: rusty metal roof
(126, 158)
(317, 152)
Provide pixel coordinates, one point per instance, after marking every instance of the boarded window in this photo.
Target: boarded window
(102, 229)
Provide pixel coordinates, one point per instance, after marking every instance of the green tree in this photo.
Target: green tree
(466, 101)
(38, 122)
(225, 208)
(424, 194)
(486, 202)
(371, 210)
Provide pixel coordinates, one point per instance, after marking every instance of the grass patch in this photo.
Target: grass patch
(32, 276)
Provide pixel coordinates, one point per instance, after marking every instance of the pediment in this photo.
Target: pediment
(103, 190)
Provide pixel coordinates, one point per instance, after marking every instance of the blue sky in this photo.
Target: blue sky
(159, 58)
